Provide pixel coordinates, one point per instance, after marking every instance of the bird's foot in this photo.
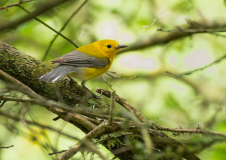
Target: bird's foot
(72, 80)
(93, 95)
(96, 96)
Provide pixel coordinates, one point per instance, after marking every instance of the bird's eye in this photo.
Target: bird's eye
(109, 46)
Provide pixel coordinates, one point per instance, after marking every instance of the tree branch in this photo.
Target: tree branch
(197, 130)
(47, 6)
(58, 33)
(112, 107)
(197, 69)
(164, 38)
(17, 119)
(124, 104)
(14, 4)
(63, 27)
(92, 134)
(202, 30)
(7, 147)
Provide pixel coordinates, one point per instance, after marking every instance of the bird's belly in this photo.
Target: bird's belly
(89, 73)
(79, 73)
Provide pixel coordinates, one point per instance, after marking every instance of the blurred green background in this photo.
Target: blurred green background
(196, 99)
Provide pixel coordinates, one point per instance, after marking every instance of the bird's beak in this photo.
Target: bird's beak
(121, 46)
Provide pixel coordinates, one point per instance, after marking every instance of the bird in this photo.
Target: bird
(85, 63)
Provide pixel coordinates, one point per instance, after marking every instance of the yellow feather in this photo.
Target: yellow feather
(98, 49)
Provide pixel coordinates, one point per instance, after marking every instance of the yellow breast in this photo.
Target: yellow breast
(91, 73)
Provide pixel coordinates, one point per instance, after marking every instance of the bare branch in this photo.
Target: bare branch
(202, 30)
(7, 147)
(17, 119)
(119, 76)
(79, 119)
(20, 86)
(33, 15)
(147, 141)
(42, 9)
(106, 82)
(197, 130)
(92, 134)
(2, 104)
(16, 99)
(49, 27)
(14, 4)
(160, 39)
(63, 106)
(197, 69)
(112, 107)
(57, 152)
(124, 104)
(63, 27)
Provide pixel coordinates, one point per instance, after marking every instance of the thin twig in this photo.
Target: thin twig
(49, 27)
(197, 130)
(106, 82)
(109, 73)
(202, 30)
(159, 39)
(16, 99)
(7, 147)
(63, 106)
(124, 104)
(112, 107)
(25, 89)
(2, 104)
(79, 119)
(14, 4)
(197, 69)
(63, 27)
(99, 130)
(17, 119)
(42, 9)
(147, 141)
(57, 152)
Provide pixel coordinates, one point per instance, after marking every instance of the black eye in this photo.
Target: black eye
(109, 46)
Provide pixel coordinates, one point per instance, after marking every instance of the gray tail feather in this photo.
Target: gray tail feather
(55, 75)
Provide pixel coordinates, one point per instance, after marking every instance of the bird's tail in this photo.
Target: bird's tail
(56, 74)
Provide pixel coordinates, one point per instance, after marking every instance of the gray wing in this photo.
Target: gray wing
(80, 59)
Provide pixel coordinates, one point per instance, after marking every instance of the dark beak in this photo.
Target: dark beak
(121, 46)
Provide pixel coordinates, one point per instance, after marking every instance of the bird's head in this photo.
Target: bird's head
(109, 48)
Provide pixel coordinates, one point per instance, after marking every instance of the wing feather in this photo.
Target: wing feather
(80, 59)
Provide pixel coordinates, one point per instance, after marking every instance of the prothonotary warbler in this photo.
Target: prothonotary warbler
(86, 62)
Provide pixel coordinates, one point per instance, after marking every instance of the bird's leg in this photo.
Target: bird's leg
(83, 84)
(94, 95)
(71, 79)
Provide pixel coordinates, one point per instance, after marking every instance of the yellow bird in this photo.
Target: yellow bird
(86, 62)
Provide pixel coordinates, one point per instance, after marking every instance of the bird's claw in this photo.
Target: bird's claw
(96, 96)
